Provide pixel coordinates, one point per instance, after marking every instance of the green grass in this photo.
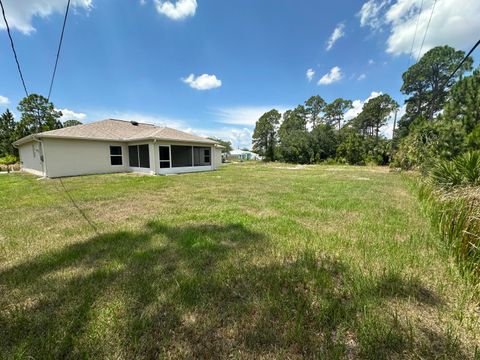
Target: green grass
(251, 261)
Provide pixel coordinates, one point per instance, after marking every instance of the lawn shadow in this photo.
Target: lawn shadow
(183, 292)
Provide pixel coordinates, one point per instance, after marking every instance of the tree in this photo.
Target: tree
(38, 114)
(426, 83)
(227, 145)
(314, 106)
(8, 133)
(264, 135)
(375, 113)
(464, 103)
(69, 123)
(294, 138)
(335, 111)
(324, 142)
(352, 149)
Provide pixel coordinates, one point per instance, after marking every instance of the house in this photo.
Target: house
(116, 146)
(243, 155)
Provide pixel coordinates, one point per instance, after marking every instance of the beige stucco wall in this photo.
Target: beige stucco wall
(31, 158)
(70, 157)
(217, 157)
(67, 157)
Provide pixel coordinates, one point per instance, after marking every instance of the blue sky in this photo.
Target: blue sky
(212, 67)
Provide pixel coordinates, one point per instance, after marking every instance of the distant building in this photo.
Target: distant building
(243, 155)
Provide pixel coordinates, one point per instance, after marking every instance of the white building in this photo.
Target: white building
(112, 146)
(243, 155)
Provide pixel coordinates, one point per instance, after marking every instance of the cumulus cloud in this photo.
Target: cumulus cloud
(454, 23)
(334, 75)
(68, 114)
(361, 77)
(337, 34)
(243, 115)
(370, 13)
(371, 62)
(21, 12)
(4, 100)
(177, 10)
(310, 74)
(202, 82)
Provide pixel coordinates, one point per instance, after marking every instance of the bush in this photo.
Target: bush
(429, 141)
(8, 160)
(462, 171)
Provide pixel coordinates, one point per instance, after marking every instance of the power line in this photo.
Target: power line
(426, 30)
(461, 63)
(440, 88)
(58, 51)
(415, 34)
(13, 48)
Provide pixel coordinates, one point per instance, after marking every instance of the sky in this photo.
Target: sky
(213, 67)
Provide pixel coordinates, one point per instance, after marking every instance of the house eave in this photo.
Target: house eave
(33, 137)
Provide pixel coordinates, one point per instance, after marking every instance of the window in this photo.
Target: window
(133, 156)
(116, 155)
(139, 156)
(201, 156)
(164, 152)
(181, 156)
(206, 156)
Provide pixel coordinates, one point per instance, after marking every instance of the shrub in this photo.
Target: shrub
(8, 160)
(428, 141)
(463, 170)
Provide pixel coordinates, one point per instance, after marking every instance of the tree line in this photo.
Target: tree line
(441, 120)
(37, 115)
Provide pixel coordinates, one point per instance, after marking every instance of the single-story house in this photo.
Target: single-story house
(243, 155)
(115, 146)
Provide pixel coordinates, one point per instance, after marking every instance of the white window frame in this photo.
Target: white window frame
(169, 157)
(120, 156)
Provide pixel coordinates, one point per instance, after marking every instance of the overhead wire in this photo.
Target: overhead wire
(426, 30)
(58, 50)
(415, 34)
(13, 49)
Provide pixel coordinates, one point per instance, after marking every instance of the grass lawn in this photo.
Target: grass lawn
(250, 261)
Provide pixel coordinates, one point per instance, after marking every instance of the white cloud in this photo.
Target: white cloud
(177, 10)
(4, 100)
(337, 34)
(370, 13)
(371, 62)
(454, 23)
(310, 74)
(202, 82)
(243, 115)
(361, 77)
(357, 105)
(68, 114)
(239, 137)
(21, 12)
(335, 74)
